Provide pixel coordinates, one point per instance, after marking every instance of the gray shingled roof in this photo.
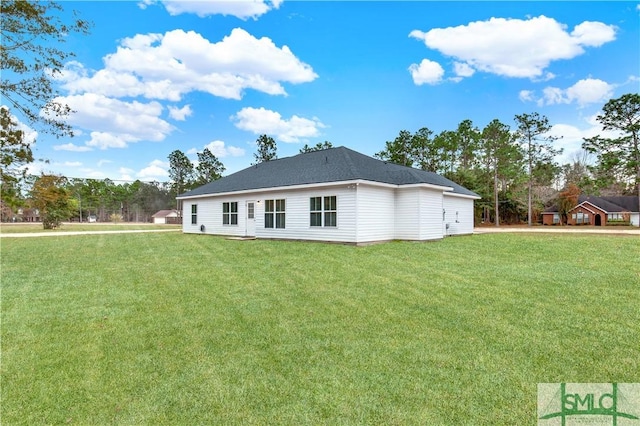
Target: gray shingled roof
(329, 165)
(610, 204)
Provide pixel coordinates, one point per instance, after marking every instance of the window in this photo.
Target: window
(194, 214)
(250, 211)
(316, 211)
(274, 214)
(230, 213)
(323, 211)
(581, 218)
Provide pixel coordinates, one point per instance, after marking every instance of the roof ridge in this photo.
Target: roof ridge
(350, 163)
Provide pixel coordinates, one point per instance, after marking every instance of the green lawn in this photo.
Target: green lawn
(16, 228)
(192, 329)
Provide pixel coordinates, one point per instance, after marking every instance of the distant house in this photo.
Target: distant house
(166, 217)
(336, 195)
(29, 215)
(597, 211)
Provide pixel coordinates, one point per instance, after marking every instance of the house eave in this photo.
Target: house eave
(593, 206)
(455, 194)
(446, 189)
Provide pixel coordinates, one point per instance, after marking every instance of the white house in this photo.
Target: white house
(166, 216)
(336, 195)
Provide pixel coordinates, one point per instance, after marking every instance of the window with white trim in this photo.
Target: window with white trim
(274, 213)
(194, 214)
(581, 218)
(230, 213)
(323, 211)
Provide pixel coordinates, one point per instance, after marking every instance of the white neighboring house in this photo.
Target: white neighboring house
(336, 195)
(165, 216)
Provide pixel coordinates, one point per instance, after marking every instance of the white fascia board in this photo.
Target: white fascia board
(455, 194)
(426, 185)
(584, 205)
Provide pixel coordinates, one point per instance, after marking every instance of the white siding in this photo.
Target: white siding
(459, 215)
(365, 213)
(375, 213)
(635, 219)
(407, 211)
(297, 215)
(431, 223)
(297, 218)
(210, 215)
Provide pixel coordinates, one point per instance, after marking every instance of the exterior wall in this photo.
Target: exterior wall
(592, 211)
(375, 216)
(458, 215)
(297, 218)
(550, 218)
(407, 212)
(210, 215)
(432, 225)
(635, 219)
(365, 213)
(297, 215)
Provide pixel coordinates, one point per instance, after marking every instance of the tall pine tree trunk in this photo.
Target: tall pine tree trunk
(495, 195)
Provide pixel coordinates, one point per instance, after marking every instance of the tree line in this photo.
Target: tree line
(513, 169)
(52, 199)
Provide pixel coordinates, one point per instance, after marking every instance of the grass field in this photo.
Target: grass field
(20, 228)
(190, 329)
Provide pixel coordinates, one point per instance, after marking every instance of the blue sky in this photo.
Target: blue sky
(156, 76)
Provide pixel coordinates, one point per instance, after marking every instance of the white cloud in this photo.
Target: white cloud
(167, 66)
(220, 150)
(570, 137)
(115, 123)
(156, 170)
(428, 72)
(589, 91)
(126, 173)
(463, 70)
(593, 34)
(180, 114)
(71, 147)
(515, 47)
(552, 95)
(242, 9)
(584, 92)
(264, 121)
(71, 164)
(526, 95)
(104, 140)
(93, 174)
